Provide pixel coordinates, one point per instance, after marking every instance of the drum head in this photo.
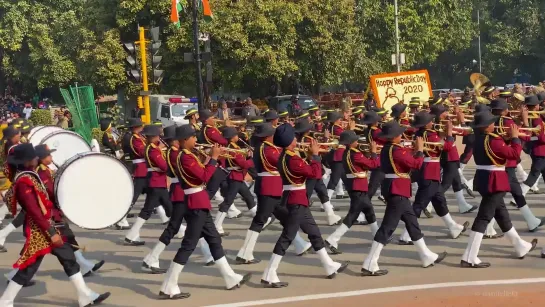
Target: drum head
(94, 190)
(36, 138)
(67, 144)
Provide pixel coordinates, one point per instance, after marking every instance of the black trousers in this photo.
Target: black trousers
(65, 255)
(538, 168)
(398, 208)
(516, 191)
(155, 197)
(199, 225)
(19, 219)
(492, 206)
(67, 232)
(374, 181)
(451, 176)
(299, 216)
(179, 209)
(337, 173)
(140, 185)
(320, 188)
(234, 188)
(266, 206)
(467, 154)
(359, 202)
(430, 190)
(217, 180)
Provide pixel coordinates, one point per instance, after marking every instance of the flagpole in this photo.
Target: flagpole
(197, 55)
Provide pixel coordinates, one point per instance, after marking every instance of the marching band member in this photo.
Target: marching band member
(151, 261)
(294, 171)
(194, 175)
(414, 105)
(238, 165)
(357, 112)
(372, 119)
(108, 140)
(157, 188)
(356, 166)
(492, 182)
(399, 114)
(468, 141)
(500, 108)
(268, 188)
(429, 178)
(283, 116)
(42, 237)
(449, 162)
(396, 162)
(25, 130)
(272, 117)
(192, 115)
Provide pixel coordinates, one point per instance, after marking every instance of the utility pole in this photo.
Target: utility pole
(197, 56)
(396, 14)
(144, 65)
(479, 27)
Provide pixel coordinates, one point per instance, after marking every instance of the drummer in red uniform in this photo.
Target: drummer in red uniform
(42, 237)
(157, 193)
(194, 175)
(396, 162)
(491, 181)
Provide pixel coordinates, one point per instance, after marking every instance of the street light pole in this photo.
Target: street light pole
(479, 27)
(398, 64)
(197, 56)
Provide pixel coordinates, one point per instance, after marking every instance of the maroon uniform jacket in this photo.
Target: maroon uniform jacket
(213, 136)
(176, 191)
(46, 175)
(538, 141)
(503, 123)
(138, 147)
(295, 171)
(396, 162)
(338, 155)
(452, 155)
(409, 132)
(356, 166)
(431, 168)
(491, 155)
(268, 181)
(237, 164)
(194, 177)
(157, 166)
(372, 135)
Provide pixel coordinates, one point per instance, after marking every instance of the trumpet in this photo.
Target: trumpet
(529, 112)
(307, 145)
(331, 135)
(231, 150)
(534, 129)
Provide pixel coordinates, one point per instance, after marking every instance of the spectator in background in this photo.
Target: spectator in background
(346, 103)
(224, 113)
(250, 109)
(62, 121)
(296, 108)
(370, 102)
(68, 116)
(27, 111)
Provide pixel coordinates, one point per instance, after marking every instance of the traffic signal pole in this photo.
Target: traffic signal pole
(197, 56)
(146, 118)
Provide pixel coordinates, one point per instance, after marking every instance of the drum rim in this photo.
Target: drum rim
(40, 128)
(65, 165)
(63, 131)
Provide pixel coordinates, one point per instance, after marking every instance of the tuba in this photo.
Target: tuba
(480, 82)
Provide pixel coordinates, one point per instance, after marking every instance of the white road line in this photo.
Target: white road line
(382, 290)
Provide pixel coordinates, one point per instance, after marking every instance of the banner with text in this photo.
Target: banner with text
(392, 88)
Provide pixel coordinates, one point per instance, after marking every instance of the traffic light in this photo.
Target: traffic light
(133, 71)
(156, 59)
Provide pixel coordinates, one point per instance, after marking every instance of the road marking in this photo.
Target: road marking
(382, 290)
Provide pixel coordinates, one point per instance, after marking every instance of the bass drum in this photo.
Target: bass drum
(38, 133)
(67, 145)
(94, 190)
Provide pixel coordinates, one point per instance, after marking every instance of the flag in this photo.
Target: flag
(207, 12)
(175, 10)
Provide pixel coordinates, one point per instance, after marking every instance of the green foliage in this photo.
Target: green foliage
(41, 118)
(116, 115)
(97, 135)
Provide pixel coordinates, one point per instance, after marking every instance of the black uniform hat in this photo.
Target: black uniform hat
(271, 115)
(506, 94)
(380, 111)
(333, 117)
(489, 89)
(499, 104)
(152, 130)
(43, 151)
(302, 125)
(169, 132)
(254, 120)
(9, 132)
(313, 108)
(283, 113)
(391, 130)
(229, 132)
(414, 103)
(357, 110)
(205, 114)
(370, 117)
(190, 113)
(438, 109)
(22, 153)
(348, 137)
(184, 132)
(264, 130)
(531, 100)
(541, 96)
(25, 127)
(397, 109)
(483, 119)
(134, 122)
(482, 108)
(284, 135)
(105, 123)
(421, 119)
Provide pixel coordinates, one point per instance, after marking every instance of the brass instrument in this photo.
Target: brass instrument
(480, 82)
(233, 150)
(535, 129)
(247, 145)
(529, 112)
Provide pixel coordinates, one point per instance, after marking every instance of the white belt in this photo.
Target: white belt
(490, 167)
(407, 143)
(291, 187)
(357, 175)
(395, 176)
(431, 160)
(174, 180)
(154, 169)
(235, 168)
(193, 190)
(267, 174)
(534, 138)
(136, 161)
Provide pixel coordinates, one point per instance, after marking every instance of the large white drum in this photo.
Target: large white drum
(67, 145)
(38, 133)
(94, 190)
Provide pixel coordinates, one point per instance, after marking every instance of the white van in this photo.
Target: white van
(169, 113)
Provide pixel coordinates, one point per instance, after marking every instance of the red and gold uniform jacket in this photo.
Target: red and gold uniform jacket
(397, 162)
(8, 169)
(268, 181)
(338, 153)
(431, 169)
(176, 191)
(356, 167)
(237, 164)
(538, 139)
(294, 171)
(504, 123)
(46, 176)
(138, 155)
(157, 166)
(194, 176)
